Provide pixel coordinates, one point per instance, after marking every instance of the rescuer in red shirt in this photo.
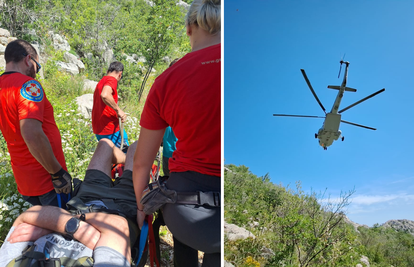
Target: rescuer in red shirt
(105, 110)
(29, 128)
(187, 97)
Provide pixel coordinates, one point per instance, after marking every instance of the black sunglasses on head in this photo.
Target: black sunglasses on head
(38, 65)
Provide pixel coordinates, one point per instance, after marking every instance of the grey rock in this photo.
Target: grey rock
(228, 264)
(108, 56)
(354, 224)
(70, 58)
(3, 40)
(130, 59)
(166, 59)
(364, 260)
(102, 45)
(141, 59)
(89, 56)
(359, 265)
(59, 42)
(150, 3)
(234, 232)
(2, 49)
(89, 85)
(67, 67)
(4, 33)
(85, 103)
(11, 39)
(184, 5)
(401, 225)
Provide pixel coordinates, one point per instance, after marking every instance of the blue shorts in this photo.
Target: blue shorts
(115, 138)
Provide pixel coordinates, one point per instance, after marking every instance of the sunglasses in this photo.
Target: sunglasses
(37, 64)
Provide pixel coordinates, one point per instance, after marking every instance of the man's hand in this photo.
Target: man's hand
(27, 232)
(62, 182)
(122, 115)
(140, 218)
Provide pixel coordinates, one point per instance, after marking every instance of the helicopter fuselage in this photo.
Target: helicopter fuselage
(330, 130)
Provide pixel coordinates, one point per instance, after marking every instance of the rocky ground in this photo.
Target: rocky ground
(166, 246)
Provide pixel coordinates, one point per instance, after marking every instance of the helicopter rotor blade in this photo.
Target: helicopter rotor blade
(362, 100)
(359, 125)
(313, 92)
(300, 116)
(340, 68)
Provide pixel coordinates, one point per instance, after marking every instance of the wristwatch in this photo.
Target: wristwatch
(71, 227)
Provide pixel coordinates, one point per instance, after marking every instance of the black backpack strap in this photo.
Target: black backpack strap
(211, 199)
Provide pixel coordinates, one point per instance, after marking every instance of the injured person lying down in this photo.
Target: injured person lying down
(101, 231)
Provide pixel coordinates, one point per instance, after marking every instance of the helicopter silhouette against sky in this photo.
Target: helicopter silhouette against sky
(330, 129)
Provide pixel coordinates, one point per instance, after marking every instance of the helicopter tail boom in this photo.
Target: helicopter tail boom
(336, 87)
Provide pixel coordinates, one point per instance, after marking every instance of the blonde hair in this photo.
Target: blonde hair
(206, 14)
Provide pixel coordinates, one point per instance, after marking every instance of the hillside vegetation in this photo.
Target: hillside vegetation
(293, 228)
(149, 29)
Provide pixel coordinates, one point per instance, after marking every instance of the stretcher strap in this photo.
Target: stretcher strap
(142, 240)
(152, 245)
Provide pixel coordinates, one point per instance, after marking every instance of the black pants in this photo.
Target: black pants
(194, 227)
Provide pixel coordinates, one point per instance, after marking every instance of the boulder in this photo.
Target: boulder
(59, 42)
(11, 39)
(228, 264)
(85, 103)
(3, 40)
(108, 56)
(130, 59)
(234, 232)
(183, 5)
(70, 58)
(365, 261)
(68, 67)
(4, 33)
(89, 85)
(2, 49)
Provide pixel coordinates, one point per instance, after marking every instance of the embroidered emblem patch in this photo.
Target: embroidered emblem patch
(32, 90)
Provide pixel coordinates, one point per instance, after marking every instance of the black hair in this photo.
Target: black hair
(17, 50)
(116, 66)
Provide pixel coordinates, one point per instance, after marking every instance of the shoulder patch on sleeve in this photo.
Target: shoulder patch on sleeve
(32, 90)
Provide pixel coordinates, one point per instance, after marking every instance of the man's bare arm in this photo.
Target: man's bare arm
(39, 145)
(148, 144)
(54, 219)
(109, 100)
(100, 229)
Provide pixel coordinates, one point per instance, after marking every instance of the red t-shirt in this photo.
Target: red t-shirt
(187, 98)
(22, 97)
(104, 118)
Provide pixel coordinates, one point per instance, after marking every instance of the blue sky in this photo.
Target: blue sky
(266, 43)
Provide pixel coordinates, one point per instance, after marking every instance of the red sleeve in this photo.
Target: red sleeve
(30, 104)
(113, 83)
(151, 115)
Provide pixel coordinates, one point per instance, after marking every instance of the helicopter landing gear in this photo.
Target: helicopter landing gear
(316, 135)
(343, 138)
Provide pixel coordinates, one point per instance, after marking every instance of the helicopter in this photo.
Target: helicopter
(330, 129)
